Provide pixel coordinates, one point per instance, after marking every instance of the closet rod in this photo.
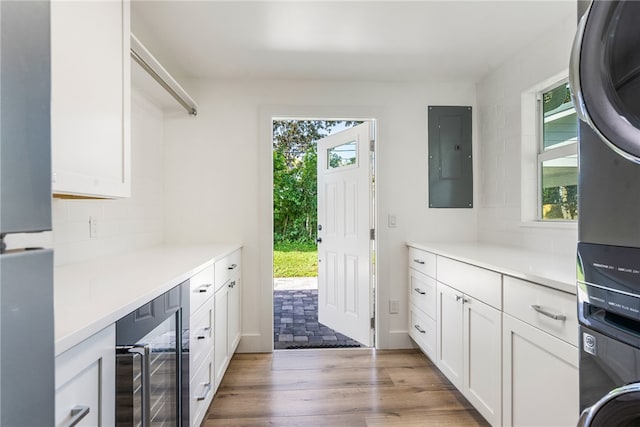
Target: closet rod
(151, 65)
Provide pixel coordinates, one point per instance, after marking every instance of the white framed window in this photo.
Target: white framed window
(557, 158)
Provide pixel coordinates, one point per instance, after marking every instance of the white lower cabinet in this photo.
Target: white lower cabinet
(201, 341)
(450, 338)
(201, 345)
(509, 345)
(483, 358)
(201, 390)
(422, 301)
(422, 329)
(226, 326)
(540, 382)
(469, 352)
(216, 314)
(221, 333)
(228, 313)
(234, 326)
(85, 382)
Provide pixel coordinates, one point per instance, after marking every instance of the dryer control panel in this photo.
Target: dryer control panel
(609, 290)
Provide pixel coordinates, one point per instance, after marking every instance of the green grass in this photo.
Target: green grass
(295, 260)
(295, 247)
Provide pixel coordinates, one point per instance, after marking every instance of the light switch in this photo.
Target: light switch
(392, 221)
(93, 227)
(394, 306)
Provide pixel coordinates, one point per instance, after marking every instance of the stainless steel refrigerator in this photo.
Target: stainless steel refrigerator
(26, 274)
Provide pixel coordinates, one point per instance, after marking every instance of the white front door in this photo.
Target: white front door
(344, 267)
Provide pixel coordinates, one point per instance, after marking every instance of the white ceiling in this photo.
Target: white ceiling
(342, 40)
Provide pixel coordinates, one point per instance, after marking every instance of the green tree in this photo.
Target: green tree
(562, 201)
(295, 191)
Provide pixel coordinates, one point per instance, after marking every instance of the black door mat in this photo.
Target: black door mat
(301, 347)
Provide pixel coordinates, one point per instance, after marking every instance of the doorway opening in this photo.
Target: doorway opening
(323, 292)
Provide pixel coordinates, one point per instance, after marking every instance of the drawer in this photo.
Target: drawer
(422, 289)
(201, 334)
(85, 380)
(228, 267)
(201, 286)
(522, 298)
(479, 283)
(424, 262)
(201, 391)
(423, 331)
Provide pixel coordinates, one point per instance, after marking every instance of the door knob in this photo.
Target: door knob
(319, 240)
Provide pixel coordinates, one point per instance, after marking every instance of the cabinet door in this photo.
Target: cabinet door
(450, 334)
(90, 98)
(422, 291)
(235, 292)
(221, 334)
(422, 329)
(540, 383)
(85, 382)
(202, 335)
(483, 358)
(202, 391)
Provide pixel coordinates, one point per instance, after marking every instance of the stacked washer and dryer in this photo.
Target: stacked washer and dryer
(605, 79)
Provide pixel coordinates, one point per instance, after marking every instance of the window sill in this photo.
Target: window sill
(550, 225)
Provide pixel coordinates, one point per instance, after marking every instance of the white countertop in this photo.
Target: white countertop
(552, 270)
(91, 295)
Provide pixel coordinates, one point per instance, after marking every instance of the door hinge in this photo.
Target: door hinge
(373, 323)
(372, 145)
(372, 234)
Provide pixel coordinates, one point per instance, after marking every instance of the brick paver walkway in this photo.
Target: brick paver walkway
(295, 322)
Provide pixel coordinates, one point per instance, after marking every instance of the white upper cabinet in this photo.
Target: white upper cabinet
(90, 98)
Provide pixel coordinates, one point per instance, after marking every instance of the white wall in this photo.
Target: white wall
(219, 183)
(503, 159)
(127, 224)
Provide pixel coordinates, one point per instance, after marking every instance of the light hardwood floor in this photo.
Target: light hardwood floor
(343, 387)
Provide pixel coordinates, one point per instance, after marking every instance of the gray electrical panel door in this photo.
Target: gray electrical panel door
(450, 157)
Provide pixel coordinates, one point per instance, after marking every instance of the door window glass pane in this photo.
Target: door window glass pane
(342, 155)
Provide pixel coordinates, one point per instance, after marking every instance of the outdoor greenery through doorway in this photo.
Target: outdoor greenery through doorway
(295, 193)
(295, 223)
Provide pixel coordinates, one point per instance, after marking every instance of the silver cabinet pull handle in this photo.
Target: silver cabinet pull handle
(544, 312)
(77, 414)
(422, 331)
(232, 267)
(207, 390)
(420, 291)
(204, 288)
(418, 261)
(201, 337)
